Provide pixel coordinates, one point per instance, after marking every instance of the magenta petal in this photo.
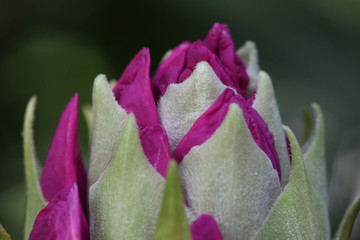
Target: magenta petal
(217, 49)
(133, 91)
(169, 70)
(182, 62)
(208, 123)
(63, 218)
(205, 228)
(155, 143)
(134, 94)
(205, 125)
(197, 52)
(219, 41)
(63, 165)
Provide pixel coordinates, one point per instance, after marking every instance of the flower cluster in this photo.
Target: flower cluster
(196, 152)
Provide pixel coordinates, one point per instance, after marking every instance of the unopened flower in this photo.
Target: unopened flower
(233, 175)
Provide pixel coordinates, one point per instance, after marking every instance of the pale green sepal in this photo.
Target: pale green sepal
(88, 115)
(182, 104)
(231, 178)
(299, 212)
(112, 83)
(248, 53)
(166, 55)
(266, 105)
(346, 225)
(308, 124)
(172, 223)
(108, 121)
(314, 155)
(3, 234)
(34, 200)
(125, 200)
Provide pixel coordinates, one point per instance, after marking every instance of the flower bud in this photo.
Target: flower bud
(237, 172)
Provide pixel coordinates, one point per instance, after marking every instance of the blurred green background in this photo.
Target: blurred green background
(310, 48)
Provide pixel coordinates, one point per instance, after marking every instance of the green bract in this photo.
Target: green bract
(298, 212)
(127, 181)
(34, 198)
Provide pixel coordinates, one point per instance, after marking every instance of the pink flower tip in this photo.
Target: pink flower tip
(133, 93)
(63, 165)
(205, 228)
(62, 218)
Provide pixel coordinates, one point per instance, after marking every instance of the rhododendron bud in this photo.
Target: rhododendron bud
(197, 151)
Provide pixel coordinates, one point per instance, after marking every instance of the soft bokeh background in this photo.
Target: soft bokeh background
(53, 49)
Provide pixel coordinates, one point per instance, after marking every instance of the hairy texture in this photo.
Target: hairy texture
(299, 212)
(210, 121)
(125, 201)
(183, 103)
(109, 119)
(230, 178)
(266, 105)
(34, 200)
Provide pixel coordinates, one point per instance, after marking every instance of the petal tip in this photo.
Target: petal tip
(205, 228)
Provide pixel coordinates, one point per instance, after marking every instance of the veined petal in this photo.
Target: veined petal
(219, 41)
(230, 178)
(209, 122)
(63, 165)
(266, 105)
(248, 53)
(133, 93)
(205, 228)
(125, 201)
(63, 218)
(108, 122)
(183, 103)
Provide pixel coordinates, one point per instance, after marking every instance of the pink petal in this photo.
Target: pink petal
(134, 94)
(205, 228)
(63, 218)
(133, 91)
(219, 41)
(197, 52)
(217, 49)
(210, 121)
(169, 70)
(205, 125)
(63, 165)
(155, 143)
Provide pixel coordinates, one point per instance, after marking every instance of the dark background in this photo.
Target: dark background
(311, 49)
